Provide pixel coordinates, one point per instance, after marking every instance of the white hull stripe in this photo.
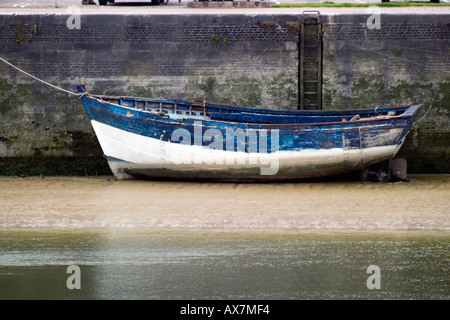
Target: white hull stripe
(128, 151)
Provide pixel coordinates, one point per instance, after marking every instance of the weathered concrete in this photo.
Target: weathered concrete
(247, 58)
(406, 61)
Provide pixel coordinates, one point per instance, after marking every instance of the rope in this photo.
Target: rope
(44, 82)
(431, 105)
(417, 121)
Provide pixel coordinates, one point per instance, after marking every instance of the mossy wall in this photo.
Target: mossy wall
(405, 61)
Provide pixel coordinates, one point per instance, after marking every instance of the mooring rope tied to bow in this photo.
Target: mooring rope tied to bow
(44, 82)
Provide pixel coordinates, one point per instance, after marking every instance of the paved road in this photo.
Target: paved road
(174, 6)
(128, 3)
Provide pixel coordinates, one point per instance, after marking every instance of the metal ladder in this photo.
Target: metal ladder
(310, 62)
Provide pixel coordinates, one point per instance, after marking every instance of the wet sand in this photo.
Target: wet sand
(101, 203)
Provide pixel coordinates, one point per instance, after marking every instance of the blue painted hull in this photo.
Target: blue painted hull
(158, 139)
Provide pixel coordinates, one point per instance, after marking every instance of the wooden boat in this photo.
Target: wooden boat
(181, 140)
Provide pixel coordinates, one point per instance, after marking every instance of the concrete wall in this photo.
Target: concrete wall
(237, 59)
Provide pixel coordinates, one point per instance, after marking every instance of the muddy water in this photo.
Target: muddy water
(166, 240)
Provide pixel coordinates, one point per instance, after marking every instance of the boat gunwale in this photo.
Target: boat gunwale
(271, 111)
(164, 116)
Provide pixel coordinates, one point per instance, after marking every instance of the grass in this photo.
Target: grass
(380, 4)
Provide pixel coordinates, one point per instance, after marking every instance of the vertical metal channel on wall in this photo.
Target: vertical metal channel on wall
(310, 62)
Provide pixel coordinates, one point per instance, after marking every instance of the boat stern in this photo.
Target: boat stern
(412, 112)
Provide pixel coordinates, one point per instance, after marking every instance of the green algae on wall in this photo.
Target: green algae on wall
(427, 146)
(41, 122)
(6, 102)
(41, 140)
(54, 166)
(278, 92)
